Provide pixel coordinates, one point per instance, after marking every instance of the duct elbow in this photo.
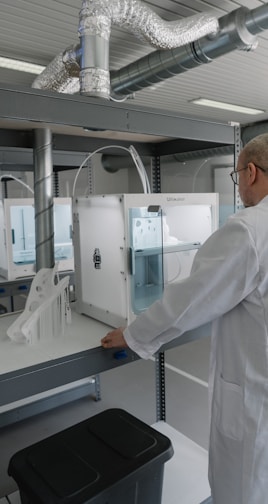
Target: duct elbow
(62, 74)
(96, 18)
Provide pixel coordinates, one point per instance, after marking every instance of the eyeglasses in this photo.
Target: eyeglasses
(234, 173)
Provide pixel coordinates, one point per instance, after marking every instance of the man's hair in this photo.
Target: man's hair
(256, 150)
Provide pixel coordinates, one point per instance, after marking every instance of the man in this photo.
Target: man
(228, 285)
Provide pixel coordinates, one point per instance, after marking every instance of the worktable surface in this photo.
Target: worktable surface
(82, 334)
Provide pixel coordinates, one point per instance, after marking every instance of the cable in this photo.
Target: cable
(196, 173)
(17, 180)
(89, 156)
(141, 170)
(129, 96)
(178, 272)
(118, 101)
(136, 158)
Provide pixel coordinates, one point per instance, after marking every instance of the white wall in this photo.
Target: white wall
(102, 182)
(189, 176)
(203, 175)
(224, 186)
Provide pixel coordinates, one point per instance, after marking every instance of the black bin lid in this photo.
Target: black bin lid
(87, 458)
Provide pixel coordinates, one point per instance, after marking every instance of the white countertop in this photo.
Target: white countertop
(82, 334)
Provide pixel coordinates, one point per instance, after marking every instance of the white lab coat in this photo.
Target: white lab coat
(228, 285)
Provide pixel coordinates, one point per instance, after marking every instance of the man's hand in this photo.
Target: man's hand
(114, 339)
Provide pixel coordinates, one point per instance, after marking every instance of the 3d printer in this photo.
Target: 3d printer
(17, 231)
(128, 247)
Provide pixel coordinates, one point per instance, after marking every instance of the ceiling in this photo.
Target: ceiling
(37, 31)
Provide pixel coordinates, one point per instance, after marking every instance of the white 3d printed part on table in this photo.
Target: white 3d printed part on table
(47, 309)
(128, 247)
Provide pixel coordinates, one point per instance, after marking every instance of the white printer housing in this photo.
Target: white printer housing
(128, 247)
(17, 236)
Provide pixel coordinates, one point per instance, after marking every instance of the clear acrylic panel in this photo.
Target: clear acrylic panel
(146, 257)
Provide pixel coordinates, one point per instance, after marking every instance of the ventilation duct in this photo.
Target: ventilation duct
(188, 44)
(90, 60)
(237, 31)
(62, 74)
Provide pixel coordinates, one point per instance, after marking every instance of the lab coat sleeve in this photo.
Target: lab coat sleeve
(225, 270)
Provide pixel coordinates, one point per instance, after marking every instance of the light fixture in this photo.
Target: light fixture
(226, 106)
(21, 66)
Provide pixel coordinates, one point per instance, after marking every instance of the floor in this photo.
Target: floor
(131, 387)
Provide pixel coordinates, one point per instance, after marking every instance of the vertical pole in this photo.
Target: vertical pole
(160, 356)
(237, 148)
(91, 190)
(160, 386)
(43, 199)
(5, 195)
(90, 177)
(97, 388)
(56, 190)
(155, 174)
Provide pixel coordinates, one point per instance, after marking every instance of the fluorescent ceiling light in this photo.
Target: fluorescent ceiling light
(21, 66)
(226, 106)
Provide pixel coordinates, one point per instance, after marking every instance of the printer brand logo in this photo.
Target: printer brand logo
(171, 198)
(97, 258)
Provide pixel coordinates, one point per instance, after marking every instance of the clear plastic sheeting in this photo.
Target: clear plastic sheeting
(46, 312)
(96, 18)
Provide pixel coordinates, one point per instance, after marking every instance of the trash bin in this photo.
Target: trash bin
(110, 458)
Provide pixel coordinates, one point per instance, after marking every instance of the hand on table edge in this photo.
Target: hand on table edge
(114, 339)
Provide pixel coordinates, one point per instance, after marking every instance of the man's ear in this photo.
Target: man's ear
(252, 171)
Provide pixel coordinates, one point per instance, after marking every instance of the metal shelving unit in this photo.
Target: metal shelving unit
(80, 124)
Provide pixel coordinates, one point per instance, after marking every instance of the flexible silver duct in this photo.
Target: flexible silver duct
(97, 16)
(96, 19)
(62, 74)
